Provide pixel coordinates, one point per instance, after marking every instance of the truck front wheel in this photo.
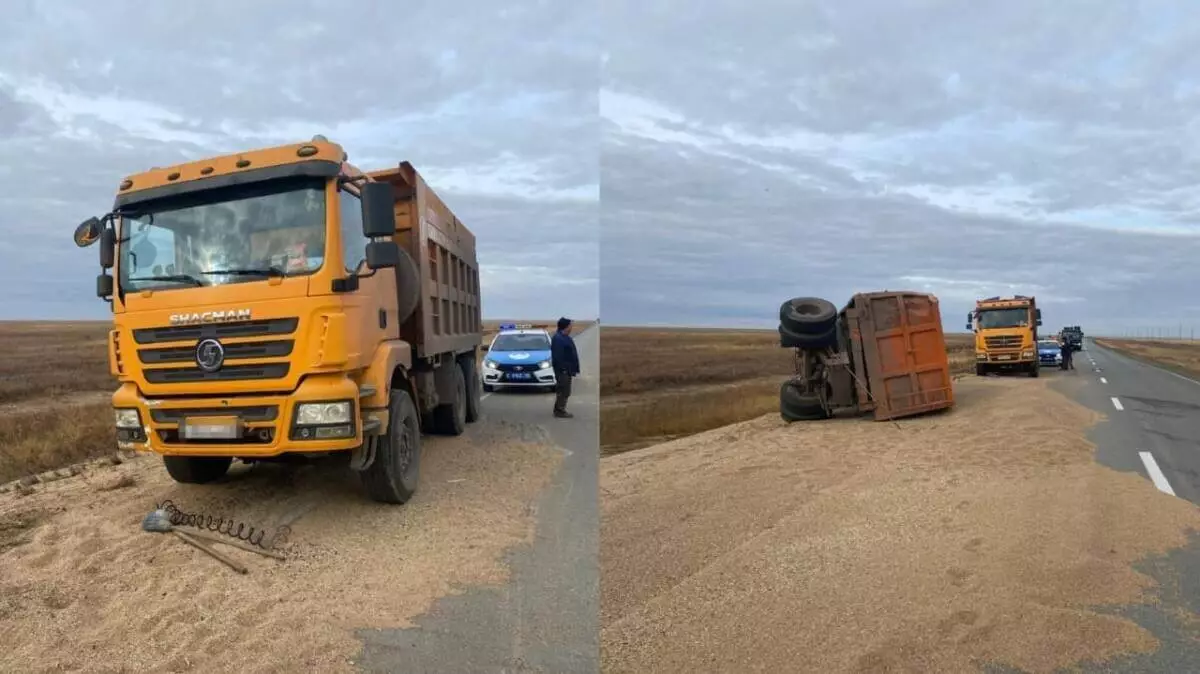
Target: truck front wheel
(392, 476)
(197, 469)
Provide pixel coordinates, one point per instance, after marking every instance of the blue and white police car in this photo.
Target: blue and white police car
(519, 356)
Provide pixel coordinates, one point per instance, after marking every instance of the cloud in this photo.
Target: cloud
(956, 148)
(494, 103)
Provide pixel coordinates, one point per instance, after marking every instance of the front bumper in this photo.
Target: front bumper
(496, 377)
(1012, 358)
(265, 421)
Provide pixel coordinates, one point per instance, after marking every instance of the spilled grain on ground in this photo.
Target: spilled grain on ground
(938, 544)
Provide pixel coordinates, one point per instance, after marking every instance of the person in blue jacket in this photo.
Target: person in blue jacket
(564, 358)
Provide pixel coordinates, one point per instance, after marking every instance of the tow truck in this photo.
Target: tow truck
(519, 356)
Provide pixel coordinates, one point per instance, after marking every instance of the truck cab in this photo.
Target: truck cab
(519, 356)
(1006, 335)
(282, 304)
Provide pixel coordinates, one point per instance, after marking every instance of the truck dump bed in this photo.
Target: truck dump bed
(448, 316)
(898, 350)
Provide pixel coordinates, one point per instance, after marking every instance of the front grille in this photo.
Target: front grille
(185, 354)
(195, 333)
(179, 375)
(1003, 342)
(234, 368)
(247, 414)
(513, 367)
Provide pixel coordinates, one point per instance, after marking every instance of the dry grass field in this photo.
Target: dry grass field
(659, 384)
(54, 389)
(1179, 356)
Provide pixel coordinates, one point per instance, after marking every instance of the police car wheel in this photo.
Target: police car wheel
(488, 388)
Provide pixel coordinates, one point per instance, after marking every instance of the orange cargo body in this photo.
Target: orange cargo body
(898, 350)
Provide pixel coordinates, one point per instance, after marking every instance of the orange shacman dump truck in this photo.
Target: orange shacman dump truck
(280, 304)
(1006, 334)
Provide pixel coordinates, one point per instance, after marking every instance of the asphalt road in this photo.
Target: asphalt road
(1152, 428)
(547, 618)
(1154, 419)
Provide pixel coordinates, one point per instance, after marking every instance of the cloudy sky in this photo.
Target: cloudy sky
(962, 148)
(494, 102)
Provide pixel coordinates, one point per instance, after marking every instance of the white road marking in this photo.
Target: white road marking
(1103, 380)
(1117, 403)
(484, 397)
(1156, 474)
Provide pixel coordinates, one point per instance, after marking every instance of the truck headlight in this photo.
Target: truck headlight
(328, 420)
(1027, 354)
(127, 417)
(490, 364)
(323, 414)
(545, 364)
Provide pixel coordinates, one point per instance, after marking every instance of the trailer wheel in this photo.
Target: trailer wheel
(797, 405)
(451, 418)
(808, 315)
(408, 285)
(789, 339)
(392, 476)
(474, 394)
(197, 469)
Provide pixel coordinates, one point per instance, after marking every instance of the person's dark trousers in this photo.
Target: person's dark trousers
(562, 390)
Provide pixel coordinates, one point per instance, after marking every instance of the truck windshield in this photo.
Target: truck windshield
(515, 342)
(230, 235)
(1003, 318)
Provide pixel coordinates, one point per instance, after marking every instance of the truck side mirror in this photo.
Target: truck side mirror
(378, 214)
(1038, 314)
(969, 327)
(382, 254)
(108, 248)
(104, 286)
(88, 232)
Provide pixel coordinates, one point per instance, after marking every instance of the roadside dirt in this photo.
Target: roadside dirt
(77, 398)
(939, 544)
(82, 588)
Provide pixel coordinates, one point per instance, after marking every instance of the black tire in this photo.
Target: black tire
(796, 405)
(392, 477)
(808, 315)
(451, 418)
(474, 393)
(488, 388)
(1033, 370)
(793, 340)
(980, 371)
(197, 469)
(408, 282)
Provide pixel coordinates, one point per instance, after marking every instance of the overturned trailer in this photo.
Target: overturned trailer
(885, 352)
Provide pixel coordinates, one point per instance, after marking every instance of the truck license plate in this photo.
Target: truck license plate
(1003, 357)
(211, 428)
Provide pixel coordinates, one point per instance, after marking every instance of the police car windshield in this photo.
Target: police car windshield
(521, 342)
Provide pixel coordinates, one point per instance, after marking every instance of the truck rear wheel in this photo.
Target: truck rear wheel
(808, 315)
(474, 392)
(798, 405)
(794, 340)
(197, 469)
(451, 418)
(392, 476)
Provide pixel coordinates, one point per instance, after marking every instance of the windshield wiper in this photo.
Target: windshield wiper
(268, 272)
(178, 278)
